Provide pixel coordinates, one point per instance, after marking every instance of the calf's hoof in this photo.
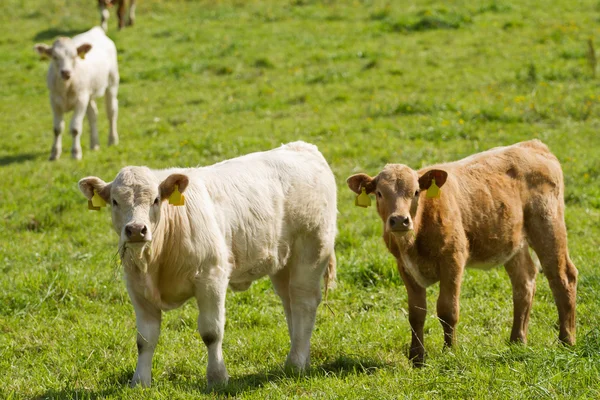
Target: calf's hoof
(95, 147)
(296, 367)
(217, 378)
(54, 157)
(417, 357)
(138, 380)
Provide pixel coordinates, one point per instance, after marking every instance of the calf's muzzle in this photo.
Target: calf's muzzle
(137, 232)
(399, 223)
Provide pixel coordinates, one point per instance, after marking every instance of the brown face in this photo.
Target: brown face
(397, 190)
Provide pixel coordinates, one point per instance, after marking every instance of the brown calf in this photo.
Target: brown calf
(492, 207)
(103, 5)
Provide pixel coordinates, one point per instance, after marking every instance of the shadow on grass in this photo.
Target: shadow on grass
(340, 367)
(118, 382)
(18, 158)
(52, 33)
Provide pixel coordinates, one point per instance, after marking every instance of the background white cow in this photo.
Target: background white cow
(271, 213)
(82, 69)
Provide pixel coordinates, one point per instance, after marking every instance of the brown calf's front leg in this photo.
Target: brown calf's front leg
(522, 273)
(417, 311)
(448, 306)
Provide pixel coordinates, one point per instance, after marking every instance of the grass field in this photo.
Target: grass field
(369, 82)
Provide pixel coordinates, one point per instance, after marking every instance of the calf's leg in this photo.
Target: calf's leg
(210, 296)
(58, 126)
(307, 265)
(547, 235)
(131, 19)
(112, 111)
(281, 283)
(148, 318)
(522, 273)
(104, 14)
(448, 306)
(121, 13)
(77, 125)
(92, 115)
(417, 311)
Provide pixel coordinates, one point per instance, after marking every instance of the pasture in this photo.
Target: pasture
(368, 82)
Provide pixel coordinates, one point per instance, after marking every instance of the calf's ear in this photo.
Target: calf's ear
(83, 49)
(359, 181)
(167, 186)
(43, 50)
(92, 184)
(437, 174)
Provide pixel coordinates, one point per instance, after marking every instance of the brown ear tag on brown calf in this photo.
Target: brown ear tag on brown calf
(176, 198)
(363, 199)
(96, 202)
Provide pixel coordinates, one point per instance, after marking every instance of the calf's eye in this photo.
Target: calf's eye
(378, 194)
(156, 200)
(114, 203)
(417, 193)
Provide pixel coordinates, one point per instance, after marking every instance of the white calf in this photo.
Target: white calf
(82, 69)
(271, 213)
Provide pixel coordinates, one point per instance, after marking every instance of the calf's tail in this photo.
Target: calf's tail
(330, 275)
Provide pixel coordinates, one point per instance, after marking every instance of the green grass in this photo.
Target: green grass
(369, 82)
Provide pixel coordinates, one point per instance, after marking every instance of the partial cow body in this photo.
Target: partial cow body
(271, 213)
(493, 206)
(104, 5)
(82, 69)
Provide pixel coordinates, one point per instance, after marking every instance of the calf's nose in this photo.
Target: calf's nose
(136, 231)
(65, 74)
(399, 221)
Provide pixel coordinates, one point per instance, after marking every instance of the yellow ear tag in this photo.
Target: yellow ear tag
(363, 199)
(176, 198)
(434, 191)
(82, 55)
(96, 202)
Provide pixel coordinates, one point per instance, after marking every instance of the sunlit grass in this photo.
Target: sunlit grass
(369, 82)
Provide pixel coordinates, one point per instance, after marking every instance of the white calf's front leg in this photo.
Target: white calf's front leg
(77, 126)
(92, 115)
(147, 318)
(211, 324)
(59, 125)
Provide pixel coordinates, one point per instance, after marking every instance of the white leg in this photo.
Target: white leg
(58, 127)
(305, 295)
(104, 14)
(131, 20)
(147, 318)
(112, 110)
(211, 324)
(92, 115)
(281, 283)
(77, 126)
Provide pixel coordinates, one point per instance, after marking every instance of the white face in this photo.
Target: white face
(135, 202)
(136, 197)
(64, 57)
